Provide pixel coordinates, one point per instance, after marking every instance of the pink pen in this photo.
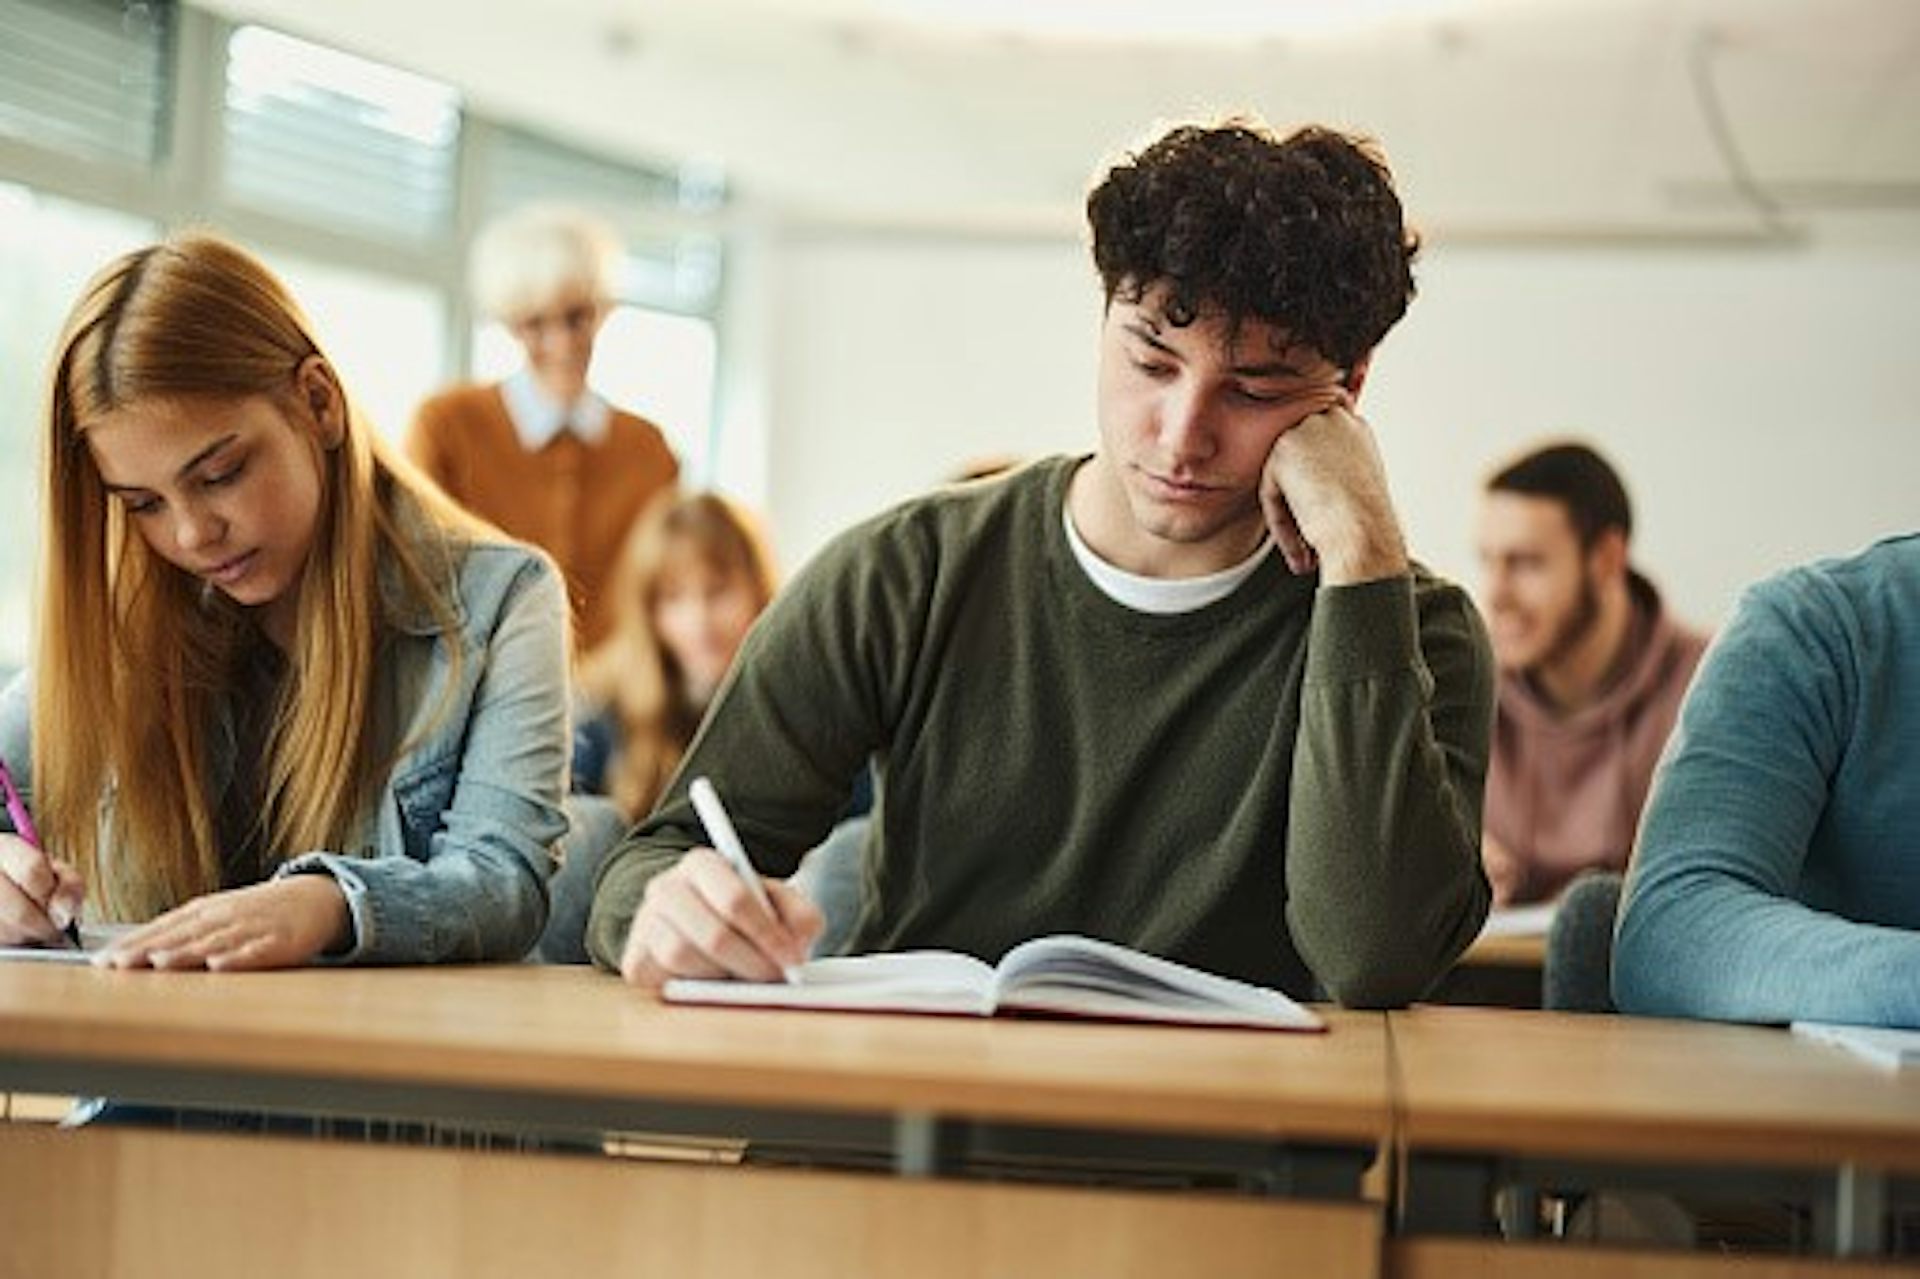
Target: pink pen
(24, 828)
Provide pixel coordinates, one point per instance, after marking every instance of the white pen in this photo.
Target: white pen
(726, 840)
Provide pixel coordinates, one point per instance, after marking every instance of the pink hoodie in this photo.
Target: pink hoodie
(1564, 792)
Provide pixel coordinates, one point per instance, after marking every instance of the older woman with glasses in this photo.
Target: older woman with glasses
(540, 454)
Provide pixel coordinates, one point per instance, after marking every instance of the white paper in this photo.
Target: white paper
(1882, 1045)
(1520, 921)
(93, 937)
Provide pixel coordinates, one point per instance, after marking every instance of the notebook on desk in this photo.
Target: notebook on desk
(93, 937)
(1061, 975)
(1533, 920)
(1882, 1045)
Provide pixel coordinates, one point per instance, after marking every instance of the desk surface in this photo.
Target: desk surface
(1544, 1084)
(582, 1033)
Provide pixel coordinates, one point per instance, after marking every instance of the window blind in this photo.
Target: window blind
(667, 268)
(325, 137)
(87, 77)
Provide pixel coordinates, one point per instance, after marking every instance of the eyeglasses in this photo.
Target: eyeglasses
(570, 321)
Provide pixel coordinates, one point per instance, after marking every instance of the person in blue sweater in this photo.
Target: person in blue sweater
(1778, 873)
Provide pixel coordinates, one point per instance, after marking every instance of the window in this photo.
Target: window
(342, 173)
(669, 267)
(85, 77)
(387, 337)
(331, 139)
(49, 248)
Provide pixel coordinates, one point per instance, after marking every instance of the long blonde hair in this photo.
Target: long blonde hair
(135, 656)
(631, 671)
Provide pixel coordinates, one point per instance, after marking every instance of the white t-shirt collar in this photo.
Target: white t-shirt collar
(1163, 595)
(537, 417)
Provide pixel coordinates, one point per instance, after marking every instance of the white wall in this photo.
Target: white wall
(895, 360)
(1761, 405)
(1760, 402)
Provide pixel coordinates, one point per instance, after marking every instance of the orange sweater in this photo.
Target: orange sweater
(577, 500)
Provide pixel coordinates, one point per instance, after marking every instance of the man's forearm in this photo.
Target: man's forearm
(1385, 884)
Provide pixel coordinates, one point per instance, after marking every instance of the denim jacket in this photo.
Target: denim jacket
(452, 861)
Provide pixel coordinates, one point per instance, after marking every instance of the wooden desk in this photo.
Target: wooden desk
(1494, 1099)
(1296, 1117)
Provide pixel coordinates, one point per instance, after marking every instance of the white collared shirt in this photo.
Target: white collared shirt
(538, 417)
(1160, 594)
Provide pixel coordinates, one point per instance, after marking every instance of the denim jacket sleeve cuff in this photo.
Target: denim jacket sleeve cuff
(353, 888)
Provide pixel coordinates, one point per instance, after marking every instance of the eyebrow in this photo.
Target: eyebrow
(1150, 334)
(191, 462)
(1277, 368)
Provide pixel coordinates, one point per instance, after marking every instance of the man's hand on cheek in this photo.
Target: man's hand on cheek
(1324, 493)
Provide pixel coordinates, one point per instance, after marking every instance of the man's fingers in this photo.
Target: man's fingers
(657, 951)
(799, 912)
(1317, 415)
(1286, 530)
(636, 965)
(702, 920)
(707, 948)
(730, 929)
(730, 900)
(689, 924)
(1333, 397)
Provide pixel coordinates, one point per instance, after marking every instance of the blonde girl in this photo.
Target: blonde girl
(287, 703)
(691, 579)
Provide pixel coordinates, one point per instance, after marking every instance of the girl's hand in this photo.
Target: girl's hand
(39, 895)
(279, 924)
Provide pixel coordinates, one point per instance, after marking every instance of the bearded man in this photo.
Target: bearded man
(1592, 672)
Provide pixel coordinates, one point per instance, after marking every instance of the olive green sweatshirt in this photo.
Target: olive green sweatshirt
(1283, 786)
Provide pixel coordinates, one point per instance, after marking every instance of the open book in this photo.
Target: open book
(1884, 1046)
(1072, 976)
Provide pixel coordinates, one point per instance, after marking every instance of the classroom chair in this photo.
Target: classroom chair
(1576, 974)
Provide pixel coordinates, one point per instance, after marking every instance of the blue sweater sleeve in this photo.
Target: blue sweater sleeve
(1748, 898)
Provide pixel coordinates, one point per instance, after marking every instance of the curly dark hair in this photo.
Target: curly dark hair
(1304, 233)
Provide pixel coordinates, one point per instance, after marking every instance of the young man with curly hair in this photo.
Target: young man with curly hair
(1188, 693)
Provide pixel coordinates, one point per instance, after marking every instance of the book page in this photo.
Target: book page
(1532, 920)
(1884, 1046)
(910, 981)
(93, 937)
(1092, 978)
